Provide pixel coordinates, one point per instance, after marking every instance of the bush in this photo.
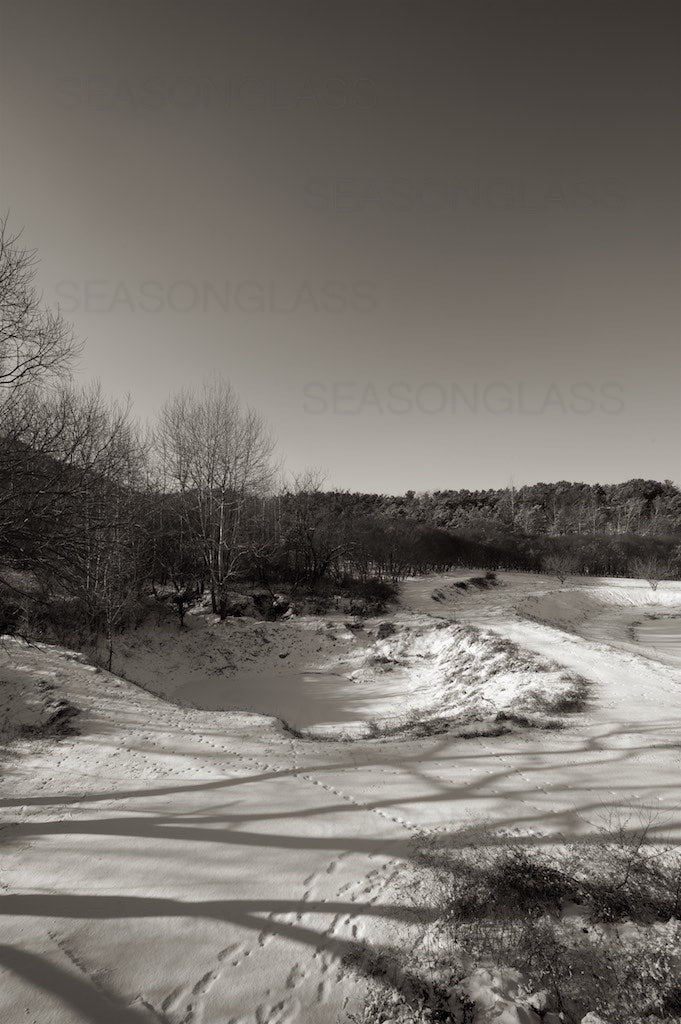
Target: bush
(377, 592)
(368, 597)
(11, 615)
(652, 569)
(573, 697)
(318, 604)
(478, 581)
(77, 621)
(69, 621)
(502, 905)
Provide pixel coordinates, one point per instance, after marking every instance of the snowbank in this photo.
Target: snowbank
(571, 607)
(462, 673)
(625, 614)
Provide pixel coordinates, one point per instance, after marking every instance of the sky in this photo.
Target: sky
(435, 244)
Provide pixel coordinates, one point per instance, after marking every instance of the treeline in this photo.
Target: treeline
(377, 538)
(639, 507)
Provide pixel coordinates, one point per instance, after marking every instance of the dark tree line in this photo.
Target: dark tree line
(490, 528)
(645, 508)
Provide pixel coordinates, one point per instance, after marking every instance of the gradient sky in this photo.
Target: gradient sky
(436, 244)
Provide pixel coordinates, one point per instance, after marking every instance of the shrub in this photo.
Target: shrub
(478, 581)
(502, 905)
(69, 621)
(11, 615)
(376, 592)
(573, 697)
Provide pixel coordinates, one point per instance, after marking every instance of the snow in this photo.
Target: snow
(301, 670)
(178, 865)
(499, 996)
(330, 676)
(613, 614)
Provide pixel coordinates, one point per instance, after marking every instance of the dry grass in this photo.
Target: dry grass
(588, 927)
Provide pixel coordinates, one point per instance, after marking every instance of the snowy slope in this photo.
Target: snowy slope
(182, 866)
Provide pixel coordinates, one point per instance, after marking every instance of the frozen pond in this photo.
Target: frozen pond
(305, 700)
(657, 632)
(661, 632)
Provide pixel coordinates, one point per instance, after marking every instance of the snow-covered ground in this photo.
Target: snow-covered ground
(179, 865)
(339, 676)
(632, 616)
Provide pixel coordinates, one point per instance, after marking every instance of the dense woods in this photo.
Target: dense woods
(602, 529)
(99, 519)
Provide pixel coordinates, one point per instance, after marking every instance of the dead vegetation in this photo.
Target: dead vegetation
(34, 712)
(443, 594)
(554, 933)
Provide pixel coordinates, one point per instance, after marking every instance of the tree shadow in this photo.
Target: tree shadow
(82, 997)
(102, 1008)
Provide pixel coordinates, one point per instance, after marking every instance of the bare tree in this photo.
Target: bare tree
(70, 469)
(70, 462)
(36, 344)
(652, 569)
(218, 455)
(560, 564)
